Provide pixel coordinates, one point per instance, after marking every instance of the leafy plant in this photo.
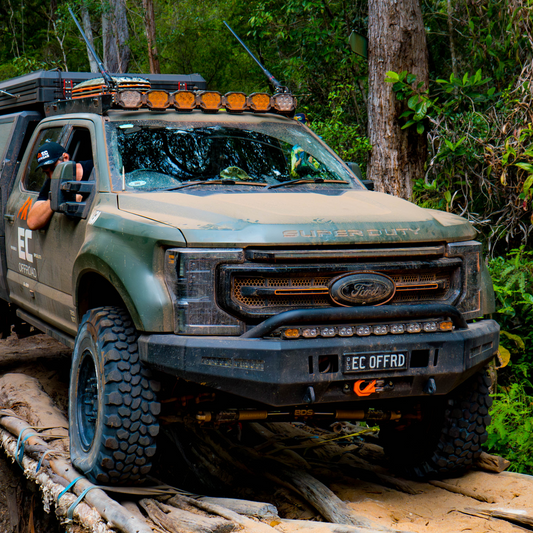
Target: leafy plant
(339, 132)
(511, 430)
(510, 433)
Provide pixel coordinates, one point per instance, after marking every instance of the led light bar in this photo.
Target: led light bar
(259, 102)
(184, 100)
(284, 103)
(207, 101)
(363, 330)
(129, 99)
(235, 102)
(157, 99)
(210, 101)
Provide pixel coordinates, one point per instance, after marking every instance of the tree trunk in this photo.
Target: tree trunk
(153, 54)
(397, 42)
(115, 36)
(87, 26)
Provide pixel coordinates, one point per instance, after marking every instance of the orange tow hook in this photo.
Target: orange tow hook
(367, 391)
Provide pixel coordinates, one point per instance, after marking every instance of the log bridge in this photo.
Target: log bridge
(305, 480)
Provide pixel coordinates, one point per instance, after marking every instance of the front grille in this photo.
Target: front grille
(259, 291)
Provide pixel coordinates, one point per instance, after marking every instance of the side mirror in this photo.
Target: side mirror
(354, 167)
(64, 188)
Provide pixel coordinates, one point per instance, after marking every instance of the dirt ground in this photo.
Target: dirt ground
(431, 510)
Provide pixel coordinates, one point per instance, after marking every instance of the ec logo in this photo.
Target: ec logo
(24, 235)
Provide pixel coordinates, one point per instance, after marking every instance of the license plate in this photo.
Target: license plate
(374, 362)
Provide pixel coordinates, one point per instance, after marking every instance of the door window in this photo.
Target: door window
(35, 177)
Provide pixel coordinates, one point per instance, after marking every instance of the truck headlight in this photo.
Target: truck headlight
(476, 292)
(190, 275)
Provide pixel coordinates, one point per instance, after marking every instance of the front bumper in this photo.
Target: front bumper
(279, 372)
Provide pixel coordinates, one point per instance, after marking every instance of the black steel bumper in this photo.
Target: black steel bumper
(279, 372)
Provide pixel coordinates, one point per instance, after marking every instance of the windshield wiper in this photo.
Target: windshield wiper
(302, 182)
(215, 182)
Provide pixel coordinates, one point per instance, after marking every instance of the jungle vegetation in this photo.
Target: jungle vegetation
(476, 114)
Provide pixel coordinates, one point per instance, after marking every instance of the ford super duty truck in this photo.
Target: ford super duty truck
(222, 253)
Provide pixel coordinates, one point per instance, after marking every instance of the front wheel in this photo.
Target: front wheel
(112, 404)
(447, 438)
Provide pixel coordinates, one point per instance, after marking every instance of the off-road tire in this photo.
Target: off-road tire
(112, 401)
(448, 438)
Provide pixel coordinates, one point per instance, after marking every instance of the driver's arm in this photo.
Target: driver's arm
(39, 215)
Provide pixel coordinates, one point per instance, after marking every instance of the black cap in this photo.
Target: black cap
(49, 153)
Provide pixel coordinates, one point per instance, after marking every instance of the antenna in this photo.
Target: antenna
(107, 78)
(277, 85)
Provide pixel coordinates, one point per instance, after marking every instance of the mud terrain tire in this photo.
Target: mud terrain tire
(112, 403)
(448, 439)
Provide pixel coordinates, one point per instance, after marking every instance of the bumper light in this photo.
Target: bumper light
(346, 331)
(430, 326)
(328, 332)
(310, 333)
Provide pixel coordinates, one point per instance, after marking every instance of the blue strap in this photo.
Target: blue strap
(70, 512)
(66, 489)
(40, 463)
(19, 453)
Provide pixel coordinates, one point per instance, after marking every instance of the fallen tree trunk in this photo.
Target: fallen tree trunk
(109, 509)
(461, 490)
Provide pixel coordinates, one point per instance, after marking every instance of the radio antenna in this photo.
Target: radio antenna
(107, 78)
(277, 85)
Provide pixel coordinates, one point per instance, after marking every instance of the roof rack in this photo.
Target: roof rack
(33, 91)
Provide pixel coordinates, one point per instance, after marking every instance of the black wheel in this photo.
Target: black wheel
(448, 438)
(112, 403)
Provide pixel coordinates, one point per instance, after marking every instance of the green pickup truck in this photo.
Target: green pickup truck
(222, 256)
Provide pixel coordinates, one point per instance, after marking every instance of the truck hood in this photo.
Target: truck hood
(259, 218)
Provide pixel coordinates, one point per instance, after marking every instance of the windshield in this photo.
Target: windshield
(155, 156)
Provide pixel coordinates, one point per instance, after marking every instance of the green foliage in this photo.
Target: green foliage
(340, 133)
(511, 430)
(510, 433)
(513, 285)
(306, 43)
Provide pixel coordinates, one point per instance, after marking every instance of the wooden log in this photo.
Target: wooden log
(181, 521)
(492, 463)
(463, 491)
(27, 389)
(515, 516)
(367, 451)
(84, 513)
(357, 466)
(287, 456)
(261, 510)
(250, 525)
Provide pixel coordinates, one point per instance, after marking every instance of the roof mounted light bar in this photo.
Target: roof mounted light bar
(207, 101)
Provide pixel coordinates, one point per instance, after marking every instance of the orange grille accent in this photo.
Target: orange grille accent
(299, 291)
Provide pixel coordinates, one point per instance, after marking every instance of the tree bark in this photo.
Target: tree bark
(87, 26)
(153, 54)
(397, 42)
(115, 36)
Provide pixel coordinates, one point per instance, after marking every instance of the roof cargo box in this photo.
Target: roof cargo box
(31, 91)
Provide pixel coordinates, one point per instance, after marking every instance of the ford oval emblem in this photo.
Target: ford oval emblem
(364, 288)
